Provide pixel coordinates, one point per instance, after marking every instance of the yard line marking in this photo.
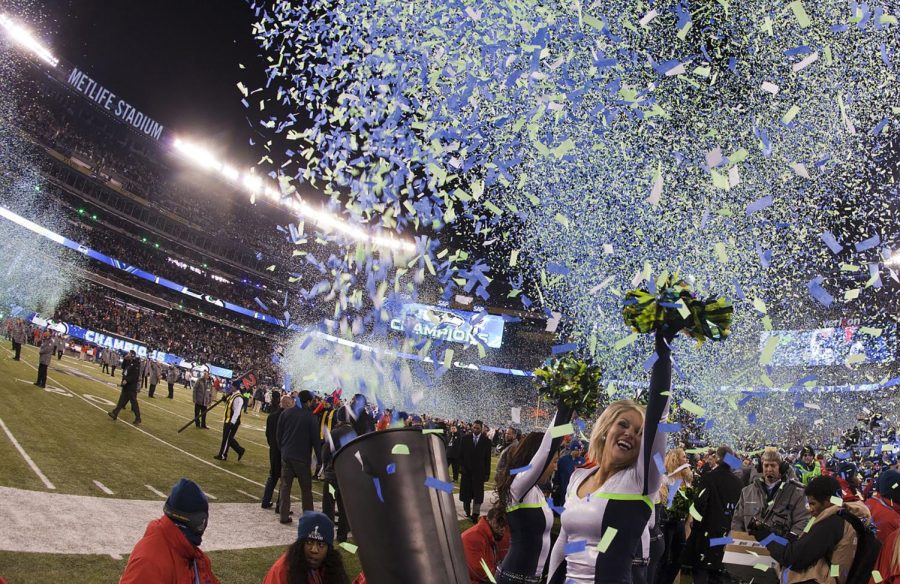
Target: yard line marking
(246, 493)
(115, 556)
(103, 488)
(156, 491)
(157, 438)
(27, 458)
(210, 496)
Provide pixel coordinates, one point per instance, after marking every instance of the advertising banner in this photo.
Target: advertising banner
(448, 324)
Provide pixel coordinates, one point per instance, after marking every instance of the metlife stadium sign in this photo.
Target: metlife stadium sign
(447, 324)
(114, 104)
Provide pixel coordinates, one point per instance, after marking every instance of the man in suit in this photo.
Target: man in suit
(297, 433)
(475, 463)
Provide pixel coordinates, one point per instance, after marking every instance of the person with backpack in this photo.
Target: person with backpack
(839, 547)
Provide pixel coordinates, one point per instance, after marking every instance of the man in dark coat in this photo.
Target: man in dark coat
(342, 433)
(131, 377)
(454, 445)
(46, 353)
(475, 462)
(298, 434)
(279, 404)
(718, 493)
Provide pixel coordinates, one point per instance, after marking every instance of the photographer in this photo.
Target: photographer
(773, 500)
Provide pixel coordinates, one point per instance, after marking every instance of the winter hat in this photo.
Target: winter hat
(188, 506)
(889, 485)
(305, 396)
(315, 526)
(807, 450)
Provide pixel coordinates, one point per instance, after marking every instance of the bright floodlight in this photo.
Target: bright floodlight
(23, 37)
(253, 183)
(894, 260)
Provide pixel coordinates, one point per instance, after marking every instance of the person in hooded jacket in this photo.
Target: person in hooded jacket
(829, 546)
(885, 505)
(169, 551)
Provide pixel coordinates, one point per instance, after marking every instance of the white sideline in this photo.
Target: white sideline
(27, 458)
(156, 491)
(157, 438)
(103, 488)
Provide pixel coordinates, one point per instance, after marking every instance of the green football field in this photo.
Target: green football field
(58, 442)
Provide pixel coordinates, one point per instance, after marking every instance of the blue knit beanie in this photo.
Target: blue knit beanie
(316, 526)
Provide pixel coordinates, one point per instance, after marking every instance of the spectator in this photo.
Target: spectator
(201, 395)
(454, 443)
(487, 541)
(831, 541)
(281, 403)
(46, 354)
(807, 468)
(885, 505)
(297, 434)
(475, 458)
(130, 379)
(331, 495)
(170, 549)
(564, 468)
(510, 441)
(718, 493)
(311, 559)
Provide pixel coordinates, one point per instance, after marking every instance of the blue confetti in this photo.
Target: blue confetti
(439, 485)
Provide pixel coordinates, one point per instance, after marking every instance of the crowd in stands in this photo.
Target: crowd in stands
(171, 331)
(115, 154)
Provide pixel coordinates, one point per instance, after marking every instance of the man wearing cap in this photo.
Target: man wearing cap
(807, 468)
(130, 378)
(885, 505)
(170, 549)
(298, 434)
(46, 353)
(311, 559)
(234, 407)
(565, 466)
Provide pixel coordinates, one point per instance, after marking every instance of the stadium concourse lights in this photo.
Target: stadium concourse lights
(255, 185)
(23, 37)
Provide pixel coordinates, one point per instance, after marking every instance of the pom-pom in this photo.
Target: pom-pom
(676, 308)
(572, 382)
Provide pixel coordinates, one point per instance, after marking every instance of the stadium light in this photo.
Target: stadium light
(23, 37)
(253, 183)
(894, 260)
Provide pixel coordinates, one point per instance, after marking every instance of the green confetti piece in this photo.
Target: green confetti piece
(800, 13)
(564, 430)
(835, 570)
(761, 567)
(433, 431)
(790, 115)
(493, 208)
(448, 358)
(622, 343)
(760, 305)
(809, 524)
(851, 294)
(331, 490)
(349, 547)
(693, 408)
(721, 254)
(769, 350)
(400, 449)
(606, 539)
(877, 577)
(837, 501)
(514, 258)
(872, 332)
(487, 571)
(857, 358)
(695, 514)
(562, 220)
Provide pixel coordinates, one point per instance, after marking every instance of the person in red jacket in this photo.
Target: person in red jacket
(888, 564)
(169, 552)
(885, 506)
(311, 559)
(488, 541)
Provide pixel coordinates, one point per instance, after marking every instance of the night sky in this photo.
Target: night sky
(176, 60)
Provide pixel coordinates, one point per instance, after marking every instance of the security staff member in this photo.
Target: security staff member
(234, 407)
